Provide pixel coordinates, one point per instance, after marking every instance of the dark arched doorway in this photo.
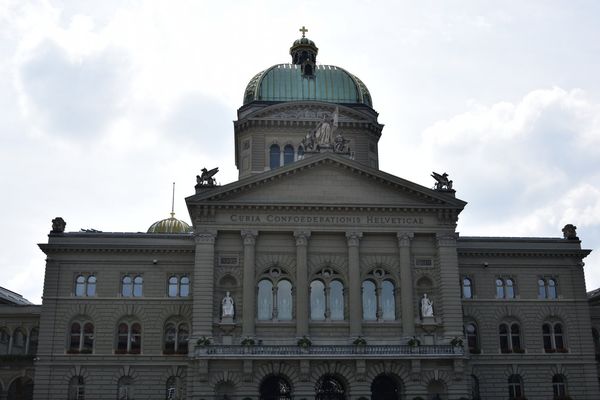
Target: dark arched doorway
(21, 389)
(275, 387)
(385, 387)
(329, 387)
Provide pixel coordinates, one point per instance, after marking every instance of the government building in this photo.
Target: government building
(315, 275)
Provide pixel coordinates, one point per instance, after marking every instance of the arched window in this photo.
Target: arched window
(385, 387)
(327, 296)
(129, 338)
(125, 388)
(126, 286)
(4, 341)
(173, 286)
(80, 286)
(274, 156)
(265, 300)
(559, 386)
(510, 337)
(85, 285)
(467, 288)
(91, 285)
(275, 387)
(505, 288)
(76, 388)
(595, 336)
(515, 387)
(553, 337)
(275, 296)
(288, 154)
(475, 388)
(329, 387)
(81, 338)
(436, 390)
(138, 283)
(369, 301)
(174, 388)
(19, 341)
(132, 286)
(388, 303)
(176, 338)
(184, 286)
(317, 300)
(21, 389)
(472, 336)
(33, 341)
(284, 300)
(378, 293)
(547, 288)
(336, 300)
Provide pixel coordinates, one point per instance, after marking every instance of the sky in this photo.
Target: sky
(103, 104)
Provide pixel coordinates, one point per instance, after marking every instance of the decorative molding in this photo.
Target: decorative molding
(404, 238)
(353, 238)
(302, 237)
(205, 237)
(446, 239)
(249, 236)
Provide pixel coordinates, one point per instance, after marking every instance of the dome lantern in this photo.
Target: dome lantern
(304, 53)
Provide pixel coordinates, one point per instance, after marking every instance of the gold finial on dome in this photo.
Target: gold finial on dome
(172, 224)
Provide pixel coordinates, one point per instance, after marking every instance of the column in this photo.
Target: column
(450, 297)
(302, 288)
(203, 283)
(355, 288)
(406, 284)
(249, 284)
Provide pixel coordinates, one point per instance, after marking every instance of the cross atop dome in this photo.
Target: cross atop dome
(303, 30)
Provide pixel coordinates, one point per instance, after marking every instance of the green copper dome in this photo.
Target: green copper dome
(170, 225)
(285, 82)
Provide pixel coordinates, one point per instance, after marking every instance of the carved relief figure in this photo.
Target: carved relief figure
(426, 306)
(58, 225)
(227, 306)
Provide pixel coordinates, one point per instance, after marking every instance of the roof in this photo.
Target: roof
(285, 82)
(10, 297)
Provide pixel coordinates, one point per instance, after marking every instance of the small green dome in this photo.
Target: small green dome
(170, 225)
(286, 82)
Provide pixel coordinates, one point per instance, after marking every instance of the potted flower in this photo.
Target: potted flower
(456, 342)
(248, 342)
(359, 341)
(414, 343)
(202, 343)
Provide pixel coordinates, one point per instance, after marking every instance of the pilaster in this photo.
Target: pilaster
(355, 292)
(301, 282)
(406, 284)
(249, 284)
(449, 278)
(203, 283)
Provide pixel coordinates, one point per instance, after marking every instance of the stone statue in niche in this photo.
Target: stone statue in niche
(227, 308)
(426, 306)
(58, 225)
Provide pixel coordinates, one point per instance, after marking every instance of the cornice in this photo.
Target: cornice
(85, 248)
(523, 252)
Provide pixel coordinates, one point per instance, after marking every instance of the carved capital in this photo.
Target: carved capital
(404, 238)
(205, 237)
(446, 239)
(249, 236)
(353, 238)
(301, 237)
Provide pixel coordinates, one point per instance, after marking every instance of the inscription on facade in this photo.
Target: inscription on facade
(325, 219)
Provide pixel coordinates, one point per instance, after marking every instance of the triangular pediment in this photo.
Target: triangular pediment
(327, 180)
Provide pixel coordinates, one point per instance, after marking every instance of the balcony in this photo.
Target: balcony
(328, 352)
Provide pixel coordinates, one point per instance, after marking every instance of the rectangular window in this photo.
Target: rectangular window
(424, 262)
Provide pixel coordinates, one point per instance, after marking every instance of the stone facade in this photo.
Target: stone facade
(329, 262)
